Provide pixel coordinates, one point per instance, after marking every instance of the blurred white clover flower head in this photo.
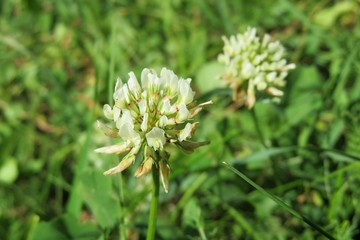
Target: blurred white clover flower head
(149, 116)
(254, 64)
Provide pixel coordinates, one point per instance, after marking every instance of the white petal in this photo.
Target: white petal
(283, 75)
(154, 82)
(145, 78)
(171, 121)
(125, 119)
(164, 76)
(116, 149)
(259, 78)
(247, 70)
(134, 85)
(151, 77)
(108, 112)
(169, 80)
(275, 92)
(173, 109)
(266, 40)
(127, 132)
(156, 138)
(144, 124)
(172, 84)
(125, 92)
(164, 72)
(121, 96)
(183, 113)
(185, 133)
(163, 121)
(271, 76)
(261, 86)
(118, 84)
(142, 106)
(186, 95)
(291, 66)
(116, 112)
(116, 95)
(165, 106)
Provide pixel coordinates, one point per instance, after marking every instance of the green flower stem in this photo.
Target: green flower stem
(122, 226)
(154, 204)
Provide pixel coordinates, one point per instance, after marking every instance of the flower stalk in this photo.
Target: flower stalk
(154, 204)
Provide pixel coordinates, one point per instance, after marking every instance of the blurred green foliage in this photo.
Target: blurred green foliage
(59, 61)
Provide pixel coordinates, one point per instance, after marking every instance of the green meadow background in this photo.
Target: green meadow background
(58, 64)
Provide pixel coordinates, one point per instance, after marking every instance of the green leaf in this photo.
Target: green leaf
(9, 171)
(192, 217)
(192, 213)
(96, 191)
(304, 96)
(305, 106)
(64, 228)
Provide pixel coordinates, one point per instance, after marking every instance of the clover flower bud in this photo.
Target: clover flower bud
(149, 115)
(254, 65)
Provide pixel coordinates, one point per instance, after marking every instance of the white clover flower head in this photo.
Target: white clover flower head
(149, 117)
(254, 64)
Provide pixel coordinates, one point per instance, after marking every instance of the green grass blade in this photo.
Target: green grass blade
(281, 203)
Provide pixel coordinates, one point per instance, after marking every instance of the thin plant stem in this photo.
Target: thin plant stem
(122, 226)
(202, 233)
(154, 204)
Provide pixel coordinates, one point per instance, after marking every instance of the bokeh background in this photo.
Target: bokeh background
(58, 64)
